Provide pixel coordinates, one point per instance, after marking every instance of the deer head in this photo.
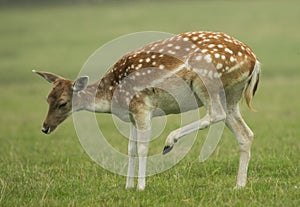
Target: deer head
(60, 98)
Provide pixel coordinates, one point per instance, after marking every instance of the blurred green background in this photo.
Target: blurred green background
(59, 36)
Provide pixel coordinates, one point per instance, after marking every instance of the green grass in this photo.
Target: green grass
(40, 170)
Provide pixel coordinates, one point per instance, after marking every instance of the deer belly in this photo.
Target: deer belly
(174, 102)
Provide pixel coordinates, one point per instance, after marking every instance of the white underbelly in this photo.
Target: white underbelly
(177, 102)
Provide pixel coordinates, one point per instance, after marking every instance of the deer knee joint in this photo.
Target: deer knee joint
(132, 148)
(142, 149)
(218, 117)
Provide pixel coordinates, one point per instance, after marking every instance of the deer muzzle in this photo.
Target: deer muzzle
(47, 129)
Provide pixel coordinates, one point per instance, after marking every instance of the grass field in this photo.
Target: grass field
(40, 170)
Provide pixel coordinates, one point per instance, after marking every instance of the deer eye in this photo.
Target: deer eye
(62, 105)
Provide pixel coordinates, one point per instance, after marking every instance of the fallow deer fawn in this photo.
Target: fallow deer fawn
(208, 62)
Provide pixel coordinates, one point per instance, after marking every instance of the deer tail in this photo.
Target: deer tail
(252, 85)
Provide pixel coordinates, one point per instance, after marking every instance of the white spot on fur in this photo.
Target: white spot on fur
(219, 66)
(217, 75)
(217, 55)
(208, 58)
(228, 40)
(199, 57)
(171, 52)
(201, 35)
(228, 50)
(161, 67)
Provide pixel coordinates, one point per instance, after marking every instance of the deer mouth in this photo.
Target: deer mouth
(48, 130)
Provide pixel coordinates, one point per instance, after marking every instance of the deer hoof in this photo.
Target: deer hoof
(167, 149)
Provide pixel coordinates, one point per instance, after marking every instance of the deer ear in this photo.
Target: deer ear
(50, 77)
(81, 83)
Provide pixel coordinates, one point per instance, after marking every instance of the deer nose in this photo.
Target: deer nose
(46, 129)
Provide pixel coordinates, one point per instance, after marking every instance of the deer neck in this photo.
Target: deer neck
(95, 98)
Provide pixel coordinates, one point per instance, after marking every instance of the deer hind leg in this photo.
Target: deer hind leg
(244, 136)
(214, 113)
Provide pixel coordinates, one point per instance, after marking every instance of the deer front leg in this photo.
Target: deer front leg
(143, 125)
(143, 147)
(132, 153)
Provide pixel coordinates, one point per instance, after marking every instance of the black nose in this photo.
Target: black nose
(46, 130)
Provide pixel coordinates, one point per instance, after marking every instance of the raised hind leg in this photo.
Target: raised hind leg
(207, 88)
(214, 113)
